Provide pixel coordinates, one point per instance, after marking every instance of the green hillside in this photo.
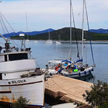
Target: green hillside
(64, 34)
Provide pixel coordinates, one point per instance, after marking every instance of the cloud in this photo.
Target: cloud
(44, 14)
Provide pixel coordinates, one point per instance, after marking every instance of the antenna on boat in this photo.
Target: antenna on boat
(26, 15)
(7, 46)
(23, 41)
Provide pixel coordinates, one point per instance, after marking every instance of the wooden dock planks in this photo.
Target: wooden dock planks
(67, 89)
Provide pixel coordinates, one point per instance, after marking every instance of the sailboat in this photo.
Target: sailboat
(49, 41)
(58, 42)
(35, 41)
(19, 76)
(67, 67)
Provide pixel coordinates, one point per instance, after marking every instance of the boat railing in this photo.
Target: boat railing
(37, 72)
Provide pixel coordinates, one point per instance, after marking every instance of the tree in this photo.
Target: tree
(98, 96)
(20, 103)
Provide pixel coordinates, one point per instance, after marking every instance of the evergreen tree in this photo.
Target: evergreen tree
(98, 96)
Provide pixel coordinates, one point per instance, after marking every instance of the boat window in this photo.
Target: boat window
(20, 56)
(5, 57)
(0, 76)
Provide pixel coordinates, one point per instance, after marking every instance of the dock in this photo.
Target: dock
(67, 89)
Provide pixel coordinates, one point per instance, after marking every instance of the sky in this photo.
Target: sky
(44, 14)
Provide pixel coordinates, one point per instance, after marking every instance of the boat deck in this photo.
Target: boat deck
(67, 89)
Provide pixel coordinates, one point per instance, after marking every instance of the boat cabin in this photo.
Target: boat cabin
(13, 56)
(13, 64)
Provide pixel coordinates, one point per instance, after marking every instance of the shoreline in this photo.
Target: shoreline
(74, 42)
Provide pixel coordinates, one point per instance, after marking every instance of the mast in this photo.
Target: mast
(70, 28)
(49, 34)
(73, 19)
(26, 23)
(83, 31)
(70, 22)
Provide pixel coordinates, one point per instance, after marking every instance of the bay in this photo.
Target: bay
(44, 52)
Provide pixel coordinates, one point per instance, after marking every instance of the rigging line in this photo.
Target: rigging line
(10, 27)
(77, 44)
(4, 37)
(88, 34)
(8, 23)
(27, 25)
(1, 15)
(75, 31)
(70, 21)
(2, 24)
(83, 30)
(4, 27)
(1, 34)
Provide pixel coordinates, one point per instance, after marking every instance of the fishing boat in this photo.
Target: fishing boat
(69, 67)
(19, 76)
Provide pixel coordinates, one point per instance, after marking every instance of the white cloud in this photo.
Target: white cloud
(44, 14)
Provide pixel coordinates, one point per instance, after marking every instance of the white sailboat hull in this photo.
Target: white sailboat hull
(58, 43)
(79, 73)
(49, 42)
(86, 72)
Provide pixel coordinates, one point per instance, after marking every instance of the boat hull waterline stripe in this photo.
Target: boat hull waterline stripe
(22, 84)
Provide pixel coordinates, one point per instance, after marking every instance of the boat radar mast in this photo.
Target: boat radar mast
(23, 41)
(7, 46)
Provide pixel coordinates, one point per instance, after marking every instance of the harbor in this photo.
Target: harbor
(51, 57)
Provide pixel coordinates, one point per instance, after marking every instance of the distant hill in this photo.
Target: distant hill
(105, 31)
(10, 34)
(33, 33)
(64, 34)
(60, 34)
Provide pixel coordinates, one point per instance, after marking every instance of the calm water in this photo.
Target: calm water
(44, 52)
